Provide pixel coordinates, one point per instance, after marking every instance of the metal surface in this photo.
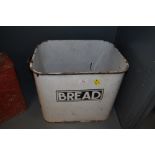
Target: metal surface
(77, 65)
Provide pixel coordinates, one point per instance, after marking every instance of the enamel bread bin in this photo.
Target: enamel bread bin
(77, 80)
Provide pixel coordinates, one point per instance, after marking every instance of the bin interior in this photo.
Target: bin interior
(78, 56)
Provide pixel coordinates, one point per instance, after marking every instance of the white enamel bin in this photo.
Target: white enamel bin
(77, 80)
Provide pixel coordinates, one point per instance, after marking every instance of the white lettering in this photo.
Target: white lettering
(77, 95)
(62, 97)
(96, 93)
(86, 96)
(70, 96)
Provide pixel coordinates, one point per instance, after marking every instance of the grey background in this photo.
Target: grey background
(137, 94)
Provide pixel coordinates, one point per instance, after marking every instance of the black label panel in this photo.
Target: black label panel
(79, 95)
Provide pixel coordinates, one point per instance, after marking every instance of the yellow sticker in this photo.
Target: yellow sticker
(97, 82)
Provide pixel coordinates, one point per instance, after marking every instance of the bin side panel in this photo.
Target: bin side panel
(73, 110)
